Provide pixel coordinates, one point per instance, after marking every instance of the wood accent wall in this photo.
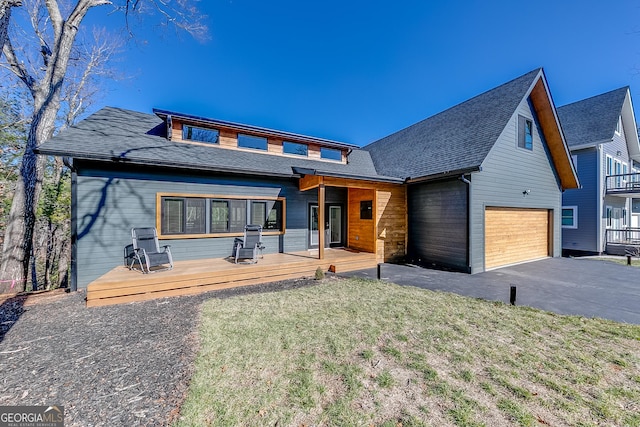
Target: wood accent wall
(360, 232)
(391, 220)
(385, 234)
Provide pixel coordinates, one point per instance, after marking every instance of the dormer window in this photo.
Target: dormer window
(295, 148)
(330, 153)
(192, 133)
(250, 141)
(619, 126)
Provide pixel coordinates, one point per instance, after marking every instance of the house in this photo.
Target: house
(484, 178)
(200, 181)
(472, 188)
(603, 139)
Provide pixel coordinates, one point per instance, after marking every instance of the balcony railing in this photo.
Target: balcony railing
(626, 236)
(623, 183)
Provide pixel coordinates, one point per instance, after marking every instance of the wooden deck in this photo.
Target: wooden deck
(122, 285)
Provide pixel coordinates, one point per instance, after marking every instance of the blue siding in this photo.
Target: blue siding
(111, 202)
(585, 237)
(508, 171)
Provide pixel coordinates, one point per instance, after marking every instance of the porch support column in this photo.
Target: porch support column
(321, 221)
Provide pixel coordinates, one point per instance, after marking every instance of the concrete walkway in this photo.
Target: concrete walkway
(586, 287)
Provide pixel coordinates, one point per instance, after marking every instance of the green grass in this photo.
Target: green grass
(357, 352)
(635, 262)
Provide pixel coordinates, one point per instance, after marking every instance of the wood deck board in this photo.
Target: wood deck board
(122, 285)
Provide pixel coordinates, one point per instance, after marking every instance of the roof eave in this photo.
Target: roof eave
(173, 164)
(300, 171)
(443, 175)
(560, 154)
(630, 129)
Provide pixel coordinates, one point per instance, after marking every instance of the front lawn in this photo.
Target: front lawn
(359, 352)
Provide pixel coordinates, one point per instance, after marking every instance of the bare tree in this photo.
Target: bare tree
(5, 17)
(57, 34)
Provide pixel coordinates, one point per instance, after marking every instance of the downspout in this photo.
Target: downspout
(466, 181)
(73, 280)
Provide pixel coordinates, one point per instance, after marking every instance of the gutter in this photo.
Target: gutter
(588, 145)
(443, 175)
(120, 160)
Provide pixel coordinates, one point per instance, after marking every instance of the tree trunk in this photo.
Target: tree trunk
(64, 257)
(18, 239)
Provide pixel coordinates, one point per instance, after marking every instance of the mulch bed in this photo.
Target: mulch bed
(122, 365)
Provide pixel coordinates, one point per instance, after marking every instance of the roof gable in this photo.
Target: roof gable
(593, 120)
(458, 140)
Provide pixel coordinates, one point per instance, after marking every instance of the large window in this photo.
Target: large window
(200, 134)
(250, 141)
(525, 133)
(183, 215)
(219, 216)
(267, 213)
(330, 153)
(569, 217)
(295, 148)
(203, 216)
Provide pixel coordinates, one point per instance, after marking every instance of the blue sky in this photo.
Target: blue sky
(355, 71)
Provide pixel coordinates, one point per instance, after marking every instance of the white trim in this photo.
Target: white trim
(575, 217)
(619, 126)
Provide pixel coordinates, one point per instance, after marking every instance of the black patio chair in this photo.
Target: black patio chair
(147, 253)
(251, 245)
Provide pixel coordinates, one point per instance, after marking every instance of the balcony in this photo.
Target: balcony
(619, 241)
(624, 185)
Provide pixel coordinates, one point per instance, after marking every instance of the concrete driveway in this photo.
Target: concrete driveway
(585, 287)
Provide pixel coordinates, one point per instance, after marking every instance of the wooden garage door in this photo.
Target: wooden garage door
(515, 235)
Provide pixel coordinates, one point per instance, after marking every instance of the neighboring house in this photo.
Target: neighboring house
(477, 186)
(485, 178)
(603, 139)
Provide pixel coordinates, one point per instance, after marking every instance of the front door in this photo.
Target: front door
(333, 226)
(313, 226)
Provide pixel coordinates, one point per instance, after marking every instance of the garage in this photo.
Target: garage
(515, 235)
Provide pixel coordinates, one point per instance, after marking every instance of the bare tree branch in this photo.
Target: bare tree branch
(17, 67)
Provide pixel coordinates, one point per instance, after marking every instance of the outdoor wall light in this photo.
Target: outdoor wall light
(525, 192)
(618, 153)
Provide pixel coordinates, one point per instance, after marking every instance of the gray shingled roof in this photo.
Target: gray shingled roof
(592, 120)
(115, 134)
(454, 140)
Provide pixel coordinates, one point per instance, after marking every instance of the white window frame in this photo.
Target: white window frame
(608, 216)
(619, 126)
(575, 217)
